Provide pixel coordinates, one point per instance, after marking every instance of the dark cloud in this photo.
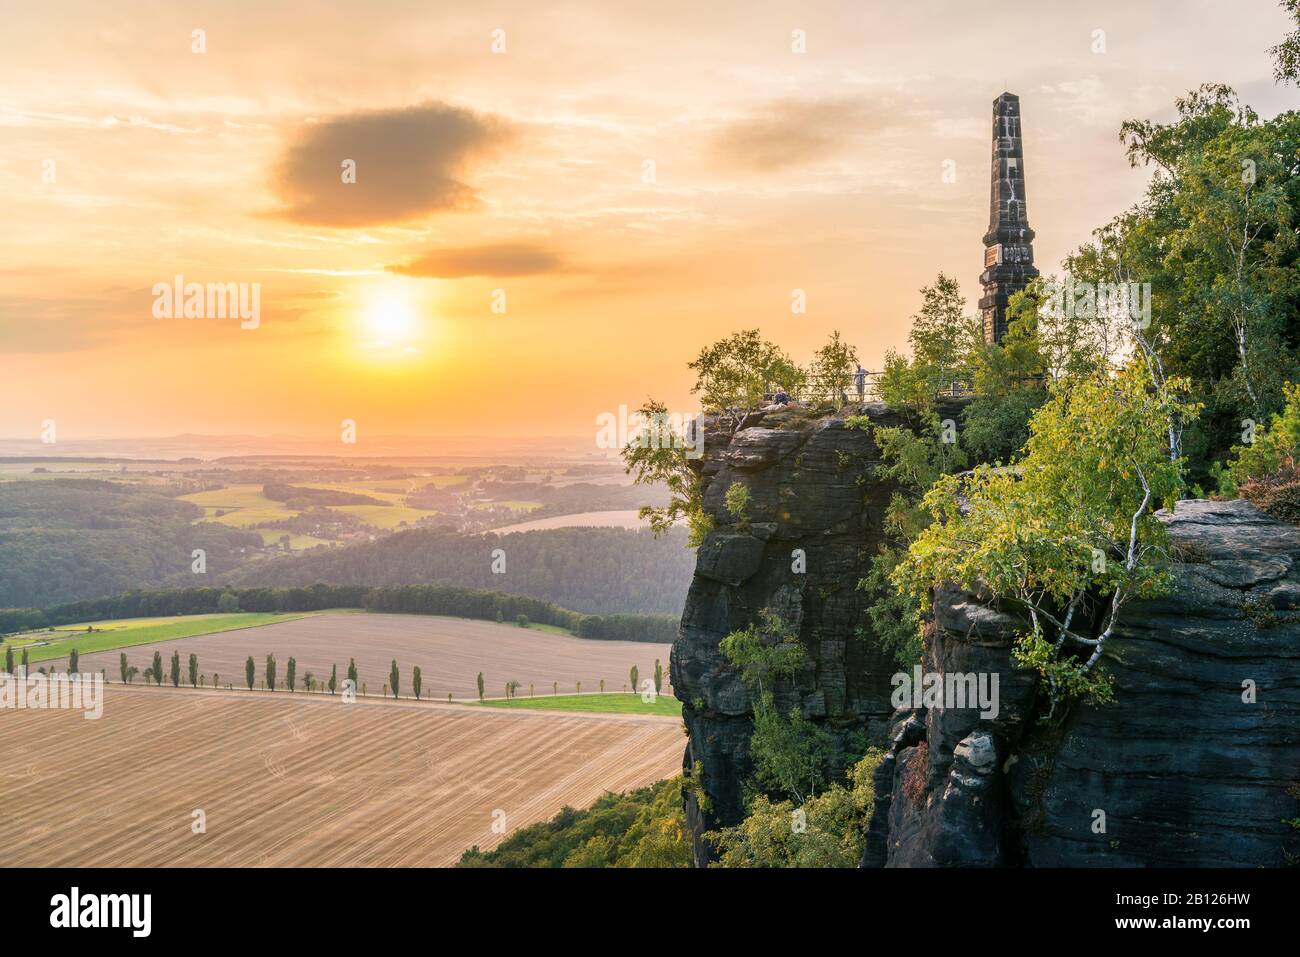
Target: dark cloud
(792, 133)
(409, 162)
(501, 259)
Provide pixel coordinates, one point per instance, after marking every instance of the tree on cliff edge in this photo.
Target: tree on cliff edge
(1069, 533)
(733, 377)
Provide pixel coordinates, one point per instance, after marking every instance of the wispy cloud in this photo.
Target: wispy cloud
(791, 133)
(500, 259)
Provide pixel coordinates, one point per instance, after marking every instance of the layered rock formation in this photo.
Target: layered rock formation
(812, 491)
(1184, 771)
(1190, 765)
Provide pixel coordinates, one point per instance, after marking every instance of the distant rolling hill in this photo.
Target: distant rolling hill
(596, 570)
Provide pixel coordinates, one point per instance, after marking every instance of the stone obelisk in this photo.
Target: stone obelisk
(1008, 245)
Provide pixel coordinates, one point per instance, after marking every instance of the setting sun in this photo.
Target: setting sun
(390, 321)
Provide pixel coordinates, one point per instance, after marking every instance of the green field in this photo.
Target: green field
(549, 629)
(271, 536)
(245, 505)
(514, 504)
(242, 505)
(384, 516)
(612, 703)
(125, 632)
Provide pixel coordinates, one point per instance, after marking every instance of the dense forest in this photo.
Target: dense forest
(601, 571)
(66, 539)
(295, 496)
(402, 599)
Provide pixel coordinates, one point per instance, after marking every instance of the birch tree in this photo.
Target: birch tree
(1068, 536)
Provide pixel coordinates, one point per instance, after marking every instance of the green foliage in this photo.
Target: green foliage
(1286, 55)
(1215, 236)
(698, 526)
(830, 832)
(193, 670)
(417, 682)
(763, 652)
(895, 618)
(334, 678)
(394, 677)
(156, 670)
(833, 366)
(658, 457)
(642, 828)
(943, 338)
(1069, 535)
(1265, 471)
(67, 539)
(791, 754)
(291, 673)
(127, 672)
(995, 426)
(942, 335)
(479, 681)
(249, 668)
(270, 672)
(1275, 447)
(737, 501)
(624, 570)
(228, 602)
(732, 375)
(1045, 341)
(913, 461)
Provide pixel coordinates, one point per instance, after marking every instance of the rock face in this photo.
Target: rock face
(1185, 772)
(811, 488)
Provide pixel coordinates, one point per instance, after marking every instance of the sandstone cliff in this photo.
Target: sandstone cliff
(811, 487)
(1185, 771)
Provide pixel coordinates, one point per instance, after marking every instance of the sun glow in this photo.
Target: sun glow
(390, 320)
(391, 323)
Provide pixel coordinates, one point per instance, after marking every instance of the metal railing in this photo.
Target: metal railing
(843, 390)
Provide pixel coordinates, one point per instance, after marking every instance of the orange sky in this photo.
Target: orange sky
(525, 171)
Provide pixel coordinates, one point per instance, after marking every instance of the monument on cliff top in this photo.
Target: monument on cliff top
(1008, 245)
